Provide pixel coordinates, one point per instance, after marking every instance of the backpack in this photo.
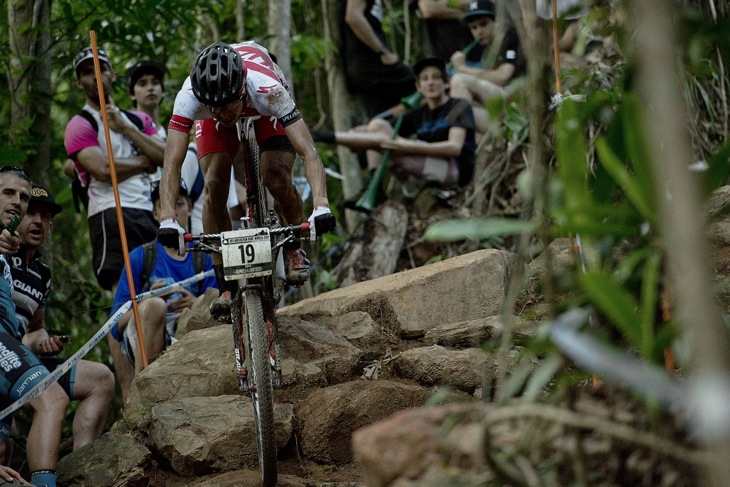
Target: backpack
(150, 257)
(80, 184)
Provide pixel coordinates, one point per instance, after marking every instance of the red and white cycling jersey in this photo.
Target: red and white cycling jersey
(266, 86)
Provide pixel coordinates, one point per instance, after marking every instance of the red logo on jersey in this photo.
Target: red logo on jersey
(265, 89)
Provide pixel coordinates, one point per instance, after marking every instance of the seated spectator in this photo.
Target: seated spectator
(478, 84)
(159, 315)
(443, 153)
(90, 383)
(22, 370)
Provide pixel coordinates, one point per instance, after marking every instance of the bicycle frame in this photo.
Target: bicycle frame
(254, 253)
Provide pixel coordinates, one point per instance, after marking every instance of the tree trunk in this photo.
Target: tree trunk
(240, 18)
(279, 28)
(29, 80)
(340, 102)
(377, 256)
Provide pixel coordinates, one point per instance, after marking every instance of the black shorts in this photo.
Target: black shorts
(140, 227)
(20, 371)
(67, 380)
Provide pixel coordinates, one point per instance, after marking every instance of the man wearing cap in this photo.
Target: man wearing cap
(91, 383)
(477, 81)
(137, 155)
(442, 154)
(146, 88)
(159, 315)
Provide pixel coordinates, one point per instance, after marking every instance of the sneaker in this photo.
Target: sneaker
(297, 267)
(220, 308)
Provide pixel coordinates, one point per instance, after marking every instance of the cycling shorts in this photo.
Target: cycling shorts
(212, 137)
(20, 371)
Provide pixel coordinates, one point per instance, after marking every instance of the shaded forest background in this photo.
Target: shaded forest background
(598, 166)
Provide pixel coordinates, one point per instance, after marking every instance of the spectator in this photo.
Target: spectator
(228, 84)
(22, 370)
(159, 315)
(91, 383)
(137, 154)
(145, 81)
(480, 83)
(444, 33)
(371, 69)
(442, 154)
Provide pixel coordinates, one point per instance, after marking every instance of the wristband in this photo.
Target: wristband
(382, 50)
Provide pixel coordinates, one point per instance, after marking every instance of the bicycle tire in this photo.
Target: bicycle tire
(260, 387)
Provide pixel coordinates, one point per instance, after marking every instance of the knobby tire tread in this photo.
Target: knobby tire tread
(263, 394)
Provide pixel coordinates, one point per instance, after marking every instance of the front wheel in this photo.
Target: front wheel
(260, 386)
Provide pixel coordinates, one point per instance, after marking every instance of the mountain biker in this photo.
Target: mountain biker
(229, 83)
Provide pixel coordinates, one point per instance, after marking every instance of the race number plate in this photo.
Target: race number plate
(246, 253)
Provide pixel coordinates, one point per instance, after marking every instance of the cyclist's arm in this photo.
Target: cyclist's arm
(175, 152)
(301, 139)
(96, 163)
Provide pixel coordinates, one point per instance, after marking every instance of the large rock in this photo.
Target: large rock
(197, 435)
(310, 344)
(198, 317)
(114, 460)
(719, 229)
(473, 333)
(462, 288)
(200, 364)
(406, 445)
(328, 416)
(465, 370)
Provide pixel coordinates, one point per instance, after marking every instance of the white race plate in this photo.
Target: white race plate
(246, 253)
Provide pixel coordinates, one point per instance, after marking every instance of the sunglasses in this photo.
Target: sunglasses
(15, 169)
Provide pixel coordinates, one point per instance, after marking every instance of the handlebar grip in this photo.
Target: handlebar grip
(188, 237)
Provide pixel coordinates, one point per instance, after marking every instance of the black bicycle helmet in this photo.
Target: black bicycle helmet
(218, 75)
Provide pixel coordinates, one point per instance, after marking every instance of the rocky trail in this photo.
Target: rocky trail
(382, 387)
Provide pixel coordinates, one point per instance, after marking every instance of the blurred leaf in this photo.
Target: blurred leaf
(615, 302)
(630, 185)
(541, 377)
(476, 229)
(571, 150)
(649, 296)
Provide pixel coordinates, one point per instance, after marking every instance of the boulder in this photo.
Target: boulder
(201, 364)
(473, 333)
(113, 460)
(414, 301)
(404, 446)
(327, 417)
(465, 370)
(197, 435)
(198, 317)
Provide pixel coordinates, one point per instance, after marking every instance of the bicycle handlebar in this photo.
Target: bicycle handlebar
(304, 227)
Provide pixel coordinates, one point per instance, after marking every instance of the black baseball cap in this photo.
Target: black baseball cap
(479, 8)
(429, 61)
(88, 53)
(41, 196)
(142, 68)
(155, 190)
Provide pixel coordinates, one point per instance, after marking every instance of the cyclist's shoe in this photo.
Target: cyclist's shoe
(220, 308)
(297, 267)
